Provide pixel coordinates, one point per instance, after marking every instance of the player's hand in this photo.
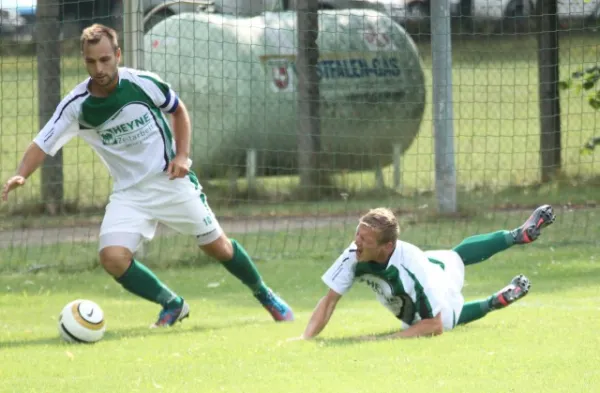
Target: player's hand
(11, 184)
(178, 167)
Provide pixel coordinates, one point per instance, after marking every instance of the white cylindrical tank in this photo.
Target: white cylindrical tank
(238, 79)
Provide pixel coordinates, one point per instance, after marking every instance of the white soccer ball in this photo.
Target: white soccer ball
(81, 321)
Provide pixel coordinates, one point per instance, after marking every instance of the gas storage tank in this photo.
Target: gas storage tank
(238, 78)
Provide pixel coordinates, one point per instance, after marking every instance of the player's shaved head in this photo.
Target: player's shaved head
(94, 33)
(384, 222)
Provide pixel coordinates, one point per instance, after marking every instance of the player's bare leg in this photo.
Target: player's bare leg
(237, 261)
(115, 260)
(517, 289)
(138, 279)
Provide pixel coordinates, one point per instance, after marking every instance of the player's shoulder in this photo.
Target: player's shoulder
(138, 75)
(408, 252)
(346, 261)
(351, 249)
(349, 254)
(75, 96)
(81, 90)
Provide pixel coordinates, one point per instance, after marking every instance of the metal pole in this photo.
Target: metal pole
(48, 68)
(133, 33)
(308, 96)
(549, 93)
(397, 164)
(251, 170)
(443, 117)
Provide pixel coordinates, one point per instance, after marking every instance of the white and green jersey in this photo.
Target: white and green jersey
(410, 285)
(128, 129)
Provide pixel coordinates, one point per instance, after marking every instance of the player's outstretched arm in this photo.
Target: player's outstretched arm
(321, 314)
(425, 327)
(32, 159)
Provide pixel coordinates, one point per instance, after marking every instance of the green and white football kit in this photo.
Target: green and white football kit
(416, 284)
(133, 137)
(413, 284)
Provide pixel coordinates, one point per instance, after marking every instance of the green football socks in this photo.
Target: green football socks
(475, 310)
(140, 281)
(478, 248)
(242, 267)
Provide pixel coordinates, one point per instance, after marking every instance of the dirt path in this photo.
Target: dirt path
(89, 232)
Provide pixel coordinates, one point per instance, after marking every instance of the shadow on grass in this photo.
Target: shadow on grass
(120, 334)
(384, 336)
(351, 340)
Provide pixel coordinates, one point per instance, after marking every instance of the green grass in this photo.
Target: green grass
(547, 342)
(496, 125)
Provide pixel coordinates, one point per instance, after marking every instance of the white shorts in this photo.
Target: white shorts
(133, 214)
(454, 269)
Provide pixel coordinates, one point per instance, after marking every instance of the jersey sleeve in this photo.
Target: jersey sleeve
(160, 92)
(62, 126)
(340, 276)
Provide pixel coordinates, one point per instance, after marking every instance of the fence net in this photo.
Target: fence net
(235, 65)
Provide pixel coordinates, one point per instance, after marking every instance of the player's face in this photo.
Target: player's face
(367, 245)
(102, 62)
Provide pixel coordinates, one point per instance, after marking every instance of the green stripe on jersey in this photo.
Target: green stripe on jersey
(166, 131)
(436, 262)
(423, 305)
(388, 274)
(102, 114)
(372, 272)
(95, 111)
(194, 179)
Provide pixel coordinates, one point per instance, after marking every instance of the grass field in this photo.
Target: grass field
(547, 342)
(496, 126)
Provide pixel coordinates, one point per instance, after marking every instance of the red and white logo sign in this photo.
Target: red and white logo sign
(281, 75)
(377, 40)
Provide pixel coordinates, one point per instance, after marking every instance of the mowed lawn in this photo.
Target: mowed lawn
(496, 109)
(547, 342)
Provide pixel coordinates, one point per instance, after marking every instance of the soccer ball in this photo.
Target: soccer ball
(81, 321)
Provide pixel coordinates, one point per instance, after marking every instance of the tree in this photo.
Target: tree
(586, 82)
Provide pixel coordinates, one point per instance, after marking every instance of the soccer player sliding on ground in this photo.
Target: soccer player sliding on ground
(422, 289)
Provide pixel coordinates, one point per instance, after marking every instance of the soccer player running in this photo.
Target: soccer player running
(422, 289)
(121, 113)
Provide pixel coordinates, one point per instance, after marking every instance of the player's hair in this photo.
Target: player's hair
(384, 222)
(94, 33)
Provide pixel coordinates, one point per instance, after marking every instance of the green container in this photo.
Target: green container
(238, 79)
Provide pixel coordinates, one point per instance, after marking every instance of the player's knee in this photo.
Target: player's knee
(220, 249)
(115, 260)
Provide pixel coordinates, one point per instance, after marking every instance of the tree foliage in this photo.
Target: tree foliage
(586, 82)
